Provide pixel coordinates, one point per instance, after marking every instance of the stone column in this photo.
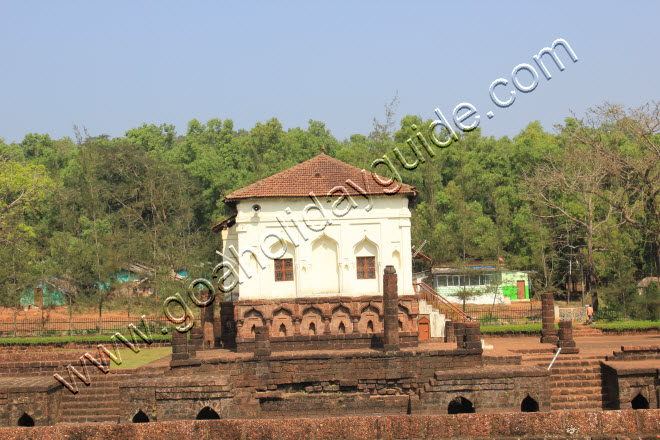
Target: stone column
(196, 340)
(356, 321)
(548, 332)
(261, 341)
(459, 334)
(449, 331)
(208, 321)
(472, 335)
(179, 346)
(390, 310)
(566, 341)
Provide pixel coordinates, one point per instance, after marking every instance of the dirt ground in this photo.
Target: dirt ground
(7, 314)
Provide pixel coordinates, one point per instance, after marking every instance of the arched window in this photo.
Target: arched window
(370, 326)
(207, 413)
(341, 328)
(312, 328)
(25, 420)
(640, 402)
(460, 405)
(529, 405)
(282, 330)
(140, 417)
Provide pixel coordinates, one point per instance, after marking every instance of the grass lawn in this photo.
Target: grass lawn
(621, 326)
(511, 328)
(131, 359)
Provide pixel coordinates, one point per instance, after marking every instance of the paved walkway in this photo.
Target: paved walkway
(590, 346)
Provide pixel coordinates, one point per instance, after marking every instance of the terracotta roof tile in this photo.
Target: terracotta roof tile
(320, 175)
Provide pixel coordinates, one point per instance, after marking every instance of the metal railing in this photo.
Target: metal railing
(79, 326)
(526, 312)
(439, 302)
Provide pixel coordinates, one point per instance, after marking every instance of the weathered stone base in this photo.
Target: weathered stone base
(632, 377)
(32, 400)
(604, 425)
(297, 323)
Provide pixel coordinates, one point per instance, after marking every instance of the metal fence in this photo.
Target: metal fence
(520, 313)
(80, 326)
(603, 314)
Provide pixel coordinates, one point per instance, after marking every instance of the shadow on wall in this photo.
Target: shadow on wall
(207, 413)
(140, 417)
(639, 402)
(25, 420)
(460, 405)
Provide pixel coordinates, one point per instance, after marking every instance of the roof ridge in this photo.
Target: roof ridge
(294, 181)
(298, 165)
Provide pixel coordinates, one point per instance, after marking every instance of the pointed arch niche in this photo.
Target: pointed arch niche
(366, 248)
(325, 265)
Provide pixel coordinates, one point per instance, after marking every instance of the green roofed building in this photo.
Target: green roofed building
(46, 294)
(489, 282)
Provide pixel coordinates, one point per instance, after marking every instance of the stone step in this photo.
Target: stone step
(595, 383)
(573, 372)
(88, 412)
(571, 369)
(94, 388)
(571, 377)
(576, 362)
(576, 391)
(80, 396)
(561, 359)
(91, 405)
(90, 419)
(576, 405)
(577, 397)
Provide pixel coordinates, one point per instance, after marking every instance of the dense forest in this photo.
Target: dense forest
(580, 203)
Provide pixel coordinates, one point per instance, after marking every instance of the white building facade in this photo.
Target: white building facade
(321, 228)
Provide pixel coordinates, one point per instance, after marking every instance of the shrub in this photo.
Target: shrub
(512, 329)
(488, 318)
(621, 326)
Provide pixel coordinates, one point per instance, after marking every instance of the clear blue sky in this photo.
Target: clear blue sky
(111, 66)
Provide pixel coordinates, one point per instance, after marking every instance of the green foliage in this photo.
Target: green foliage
(648, 304)
(511, 328)
(81, 211)
(622, 326)
(488, 318)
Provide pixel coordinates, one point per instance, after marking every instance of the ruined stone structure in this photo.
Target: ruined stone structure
(565, 338)
(632, 376)
(312, 323)
(548, 331)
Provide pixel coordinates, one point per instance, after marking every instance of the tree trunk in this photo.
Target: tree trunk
(70, 317)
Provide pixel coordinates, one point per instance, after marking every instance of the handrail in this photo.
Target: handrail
(437, 300)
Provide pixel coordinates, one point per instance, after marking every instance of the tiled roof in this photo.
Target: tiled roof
(225, 224)
(319, 175)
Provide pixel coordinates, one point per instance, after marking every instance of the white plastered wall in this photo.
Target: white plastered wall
(323, 244)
